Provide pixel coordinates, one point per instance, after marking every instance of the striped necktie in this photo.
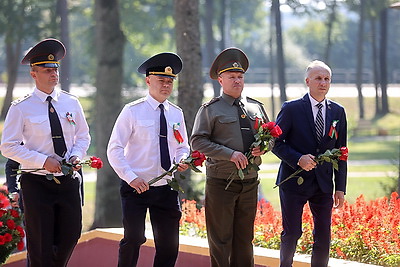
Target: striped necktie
(319, 123)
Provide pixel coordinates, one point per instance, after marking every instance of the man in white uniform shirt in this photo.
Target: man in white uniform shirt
(53, 213)
(143, 146)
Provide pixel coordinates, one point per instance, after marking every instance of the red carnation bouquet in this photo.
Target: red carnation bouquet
(67, 168)
(195, 160)
(11, 231)
(333, 156)
(266, 133)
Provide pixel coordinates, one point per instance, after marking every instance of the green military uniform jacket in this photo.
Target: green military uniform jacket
(216, 133)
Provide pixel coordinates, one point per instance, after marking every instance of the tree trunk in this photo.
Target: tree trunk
(221, 25)
(62, 8)
(13, 42)
(227, 23)
(375, 68)
(210, 41)
(13, 50)
(109, 76)
(272, 60)
(331, 21)
(280, 60)
(360, 60)
(383, 60)
(190, 86)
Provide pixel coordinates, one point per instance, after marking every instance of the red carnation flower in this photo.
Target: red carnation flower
(10, 224)
(96, 163)
(195, 154)
(20, 230)
(344, 153)
(276, 131)
(4, 201)
(7, 237)
(20, 245)
(198, 162)
(14, 213)
(269, 125)
(2, 212)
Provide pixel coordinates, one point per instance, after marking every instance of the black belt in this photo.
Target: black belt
(44, 175)
(246, 181)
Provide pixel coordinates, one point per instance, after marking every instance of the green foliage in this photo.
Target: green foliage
(192, 229)
(272, 243)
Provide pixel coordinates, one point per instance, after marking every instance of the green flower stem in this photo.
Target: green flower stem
(289, 177)
(158, 178)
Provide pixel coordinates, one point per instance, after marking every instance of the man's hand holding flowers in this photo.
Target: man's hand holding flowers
(194, 160)
(182, 167)
(52, 165)
(66, 167)
(241, 161)
(75, 161)
(140, 185)
(265, 136)
(333, 156)
(307, 162)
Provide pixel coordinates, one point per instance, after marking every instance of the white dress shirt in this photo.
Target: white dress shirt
(27, 121)
(133, 150)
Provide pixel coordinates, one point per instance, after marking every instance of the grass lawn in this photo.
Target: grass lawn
(89, 206)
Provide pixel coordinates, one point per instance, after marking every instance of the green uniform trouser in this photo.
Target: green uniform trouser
(230, 218)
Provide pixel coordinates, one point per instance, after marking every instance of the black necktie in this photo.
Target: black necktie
(59, 145)
(245, 127)
(319, 123)
(164, 151)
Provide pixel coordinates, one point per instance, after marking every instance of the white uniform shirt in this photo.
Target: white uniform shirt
(27, 121)
(133, 150)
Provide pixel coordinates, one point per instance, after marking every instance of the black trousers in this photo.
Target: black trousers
(53, 217)
(165, 213)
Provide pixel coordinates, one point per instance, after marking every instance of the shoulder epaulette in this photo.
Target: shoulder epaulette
(137, 101)
(176, 106)
(19, 100)
(212, 101)
(68, 93)
(255, 100)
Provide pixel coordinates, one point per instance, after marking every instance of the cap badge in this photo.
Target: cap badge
(235, 65)
(50, 57)
(168, 70)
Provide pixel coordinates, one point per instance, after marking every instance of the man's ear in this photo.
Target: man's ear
(33, 74)
(220, 80)
(147, 79)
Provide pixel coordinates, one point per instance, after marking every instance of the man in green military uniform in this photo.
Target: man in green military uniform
(224, 131)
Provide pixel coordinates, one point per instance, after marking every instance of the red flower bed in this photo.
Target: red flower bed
(367, 232)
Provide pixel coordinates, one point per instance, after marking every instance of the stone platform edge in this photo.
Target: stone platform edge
(197, 246)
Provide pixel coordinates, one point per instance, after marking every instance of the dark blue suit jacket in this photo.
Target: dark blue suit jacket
(299, 137)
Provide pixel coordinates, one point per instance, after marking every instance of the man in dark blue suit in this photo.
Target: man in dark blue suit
(297, 147)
